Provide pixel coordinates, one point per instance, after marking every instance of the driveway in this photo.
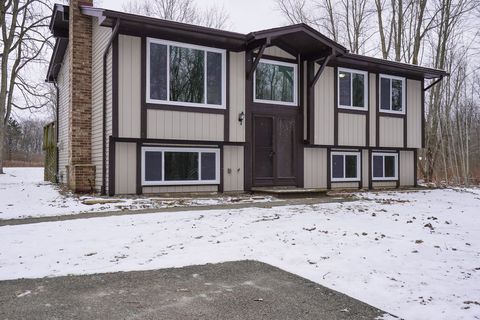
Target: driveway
(231, 290)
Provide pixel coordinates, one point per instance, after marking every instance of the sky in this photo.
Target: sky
(243, 17)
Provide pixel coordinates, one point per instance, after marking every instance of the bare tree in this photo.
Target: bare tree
(181, 11)
(23, 25)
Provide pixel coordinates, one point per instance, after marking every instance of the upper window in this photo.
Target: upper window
(276, 82)
(173, 166)
(345, 166)
(385, 166)
(352, 89)
(185, 75)
(392, 94)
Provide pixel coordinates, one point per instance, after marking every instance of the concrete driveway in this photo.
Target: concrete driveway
(231, 290)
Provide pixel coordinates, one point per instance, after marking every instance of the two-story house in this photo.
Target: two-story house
(150, 106)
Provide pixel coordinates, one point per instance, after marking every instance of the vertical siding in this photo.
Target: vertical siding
(324, 107)
(352, 129)
(237, 95)
(365, 168)
(129, 101)
(233, 168)
(315, 168)
(166, 124)
(100, 38)
(407, 168)
(125, 168)
(414, 113)
(384, 184)
(179, 189)
(344, 185)
(391, 132)
(108, 113)
(372, 96)
(277, 52)
(63, 117)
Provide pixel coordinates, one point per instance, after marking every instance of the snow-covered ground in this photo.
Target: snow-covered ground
(24, 194)
(414, 254)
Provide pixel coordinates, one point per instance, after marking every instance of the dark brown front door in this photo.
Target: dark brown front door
(274, 155)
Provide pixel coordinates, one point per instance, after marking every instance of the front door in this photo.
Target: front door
(274, 150)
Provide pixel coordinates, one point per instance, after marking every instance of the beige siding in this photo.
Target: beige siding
(100, 37)
(166, 124)
(414, 113)
(277, 52)
(129, 74)
(372, 96)
(384, 184)
(352, 129)
(407, 168)
(391, 132)
(176, 189)
(108, 123)
(365, 168)
(324, 107)
(237, 95)
(125, 168)
(315, 168)
(344, 185)
(233, 168)
(63, 83)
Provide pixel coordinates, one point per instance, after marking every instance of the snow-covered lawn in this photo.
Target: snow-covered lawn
(416, 254)
(24, 194)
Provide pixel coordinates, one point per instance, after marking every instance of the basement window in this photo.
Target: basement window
(352, 89)
(345, 166)
(392, 94)
(185, 75)
(275, 83)
(180, 166)
(385, 166)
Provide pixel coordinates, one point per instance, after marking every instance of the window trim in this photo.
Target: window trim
(404, 90)
(188, 46)
(295, 83)
(182, 182)
(383, 154)
(345, 153)
(365, 89)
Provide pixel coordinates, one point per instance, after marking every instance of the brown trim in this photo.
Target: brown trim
(300, 129)
(329, 170)
(139, 168)
(370, 173)
(256, 60)
(405, 119)
(178, 142)
(377, 111)
(423, 114)
(361, 112)
(415, 168)
(221, 185)
(342, 147)
(111, 166)
(335, 106)
(115, 92)
(360, 183)
(281, 59)
(170, 107)
(143, 81)
(319, 72)
(398, 169)
(367, 115)
(392, 115)
(248, 157)
(310, 104)
(226, 118)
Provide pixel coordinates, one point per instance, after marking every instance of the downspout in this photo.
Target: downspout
(104, 116)
(57, 112)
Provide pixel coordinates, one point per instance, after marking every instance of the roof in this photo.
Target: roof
(298, 39)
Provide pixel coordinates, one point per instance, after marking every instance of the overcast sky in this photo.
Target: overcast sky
(245, 15)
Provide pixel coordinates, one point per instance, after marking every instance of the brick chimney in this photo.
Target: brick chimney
(81, 171)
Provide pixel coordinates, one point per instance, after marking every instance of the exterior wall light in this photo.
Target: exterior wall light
(241, 117)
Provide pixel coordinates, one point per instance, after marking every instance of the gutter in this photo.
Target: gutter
(104, 115)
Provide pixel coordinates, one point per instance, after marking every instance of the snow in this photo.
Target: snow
(24, 194)
(413, 254)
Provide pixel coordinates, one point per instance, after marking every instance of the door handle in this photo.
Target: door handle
(272, 153)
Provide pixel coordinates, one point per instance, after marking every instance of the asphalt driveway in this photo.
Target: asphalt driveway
(231, 290)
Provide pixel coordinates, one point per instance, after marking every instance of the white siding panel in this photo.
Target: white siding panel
(125, 168)
(414, 113)
(344, 185)
(315, 168)
(352, 129)
(384, 184)
(407, 168)
(237, 95)
(179, 189)
(277, 52)
(233, 168)
(324, 107)
(365, 168)
(63, 83)
(391, 132)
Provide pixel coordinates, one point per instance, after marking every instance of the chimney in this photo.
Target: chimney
(81, 171)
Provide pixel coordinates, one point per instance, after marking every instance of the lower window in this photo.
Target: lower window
(385, 166)
(345, 166)
(180, 166)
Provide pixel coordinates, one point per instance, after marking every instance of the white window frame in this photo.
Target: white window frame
(295, 83)
(390, 77)
(365, 89)
(345, 153)
(383, 154)
(188, 46)
(182, 182)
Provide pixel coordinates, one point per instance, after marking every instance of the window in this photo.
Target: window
(392, 94)
(185, 75)
(352, 89)
(345, 166)
(385, 166)
(275, 82)
(173, 166)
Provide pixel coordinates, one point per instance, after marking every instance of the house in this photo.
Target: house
(150, 106)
